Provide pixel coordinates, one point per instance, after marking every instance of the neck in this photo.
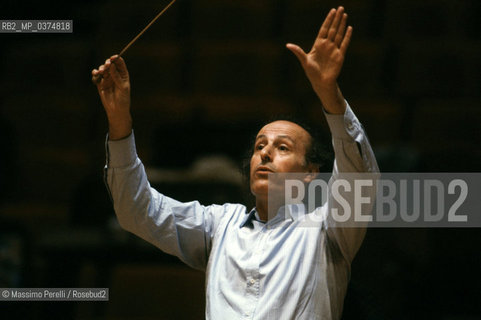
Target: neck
(263, 207)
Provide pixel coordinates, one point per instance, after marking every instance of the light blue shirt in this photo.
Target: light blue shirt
(254, 270)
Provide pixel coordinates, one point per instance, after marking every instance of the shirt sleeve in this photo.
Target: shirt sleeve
(181, 229)
(354, 160)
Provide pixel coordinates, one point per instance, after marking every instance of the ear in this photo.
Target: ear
(311, 174)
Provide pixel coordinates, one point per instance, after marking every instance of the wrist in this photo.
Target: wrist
(331, 98)
(120, 127)
(325, 88)
(119, 133)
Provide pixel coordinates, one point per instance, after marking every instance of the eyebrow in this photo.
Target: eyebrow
(277, 137)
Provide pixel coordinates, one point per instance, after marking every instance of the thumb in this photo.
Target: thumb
(298, 52)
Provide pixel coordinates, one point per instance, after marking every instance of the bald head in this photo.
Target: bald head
(280, 147)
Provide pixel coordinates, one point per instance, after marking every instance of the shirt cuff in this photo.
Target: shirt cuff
(121, 153)
(343, 126)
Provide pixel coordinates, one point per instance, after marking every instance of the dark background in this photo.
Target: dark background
(203, 78)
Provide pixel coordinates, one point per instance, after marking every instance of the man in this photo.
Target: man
(257, 267)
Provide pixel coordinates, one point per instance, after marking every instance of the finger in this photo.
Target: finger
(341, 31)
(116, 76)
(121, 67)
(326, 24)
(101, 70)
(108, 66)
(346, 40)
(104, 67)
(96, 77)
(95, 73)
(98, 74)
(298, 52)
(335, 24)
(102, 79)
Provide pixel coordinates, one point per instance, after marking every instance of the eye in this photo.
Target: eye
(259, 146)
(283, 148)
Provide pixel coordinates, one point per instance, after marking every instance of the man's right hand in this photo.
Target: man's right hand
(113, 84)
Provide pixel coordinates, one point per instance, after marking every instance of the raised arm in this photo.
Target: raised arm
(353, 152)
(323, 63)
(181, 229)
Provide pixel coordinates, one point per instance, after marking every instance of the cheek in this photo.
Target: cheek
(254, 182)
(253, 163)
(292, 164)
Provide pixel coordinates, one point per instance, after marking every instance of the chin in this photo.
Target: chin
(259, 188)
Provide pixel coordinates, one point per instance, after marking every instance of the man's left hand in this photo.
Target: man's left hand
(323, 63)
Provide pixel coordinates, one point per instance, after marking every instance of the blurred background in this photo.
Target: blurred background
(204, 78)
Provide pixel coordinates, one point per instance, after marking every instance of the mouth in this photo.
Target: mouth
(264, 170)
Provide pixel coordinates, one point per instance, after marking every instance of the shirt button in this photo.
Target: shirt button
(252, 281)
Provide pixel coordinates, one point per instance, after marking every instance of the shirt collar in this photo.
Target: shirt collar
(247, 221)
(290, 212)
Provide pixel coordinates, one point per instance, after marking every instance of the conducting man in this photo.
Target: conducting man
(257, 266)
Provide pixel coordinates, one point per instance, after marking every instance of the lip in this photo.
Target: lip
(264, 169)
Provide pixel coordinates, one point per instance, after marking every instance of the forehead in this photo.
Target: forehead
(285, 128)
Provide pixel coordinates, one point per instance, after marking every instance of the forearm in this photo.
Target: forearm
(139, 208)
(355, 160)
(331, 97)
(126, 180)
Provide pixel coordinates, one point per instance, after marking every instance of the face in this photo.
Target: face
(280, 146)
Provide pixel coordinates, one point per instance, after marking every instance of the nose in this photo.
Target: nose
(266, 154)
